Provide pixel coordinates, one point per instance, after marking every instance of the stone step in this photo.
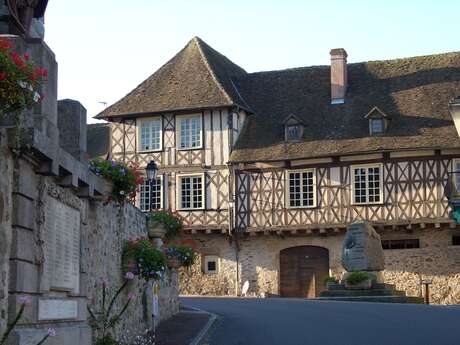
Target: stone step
(376, 299)
(376, 286)
(364, 292)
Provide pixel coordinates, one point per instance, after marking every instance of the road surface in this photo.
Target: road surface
(306, 322)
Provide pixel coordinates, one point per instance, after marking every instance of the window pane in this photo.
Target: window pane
(190, 132)
(293, 132)
(301, 189)
(377, 126)
(150, 133)
(148, 197)
(192, 192)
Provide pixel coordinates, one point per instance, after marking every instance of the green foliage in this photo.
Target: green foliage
(150, 262)
(186, 255)
(125, 180)
(107, 340)
(104, 319)
(172, 222)
(330, 280)
(20, 80)
(357, 277)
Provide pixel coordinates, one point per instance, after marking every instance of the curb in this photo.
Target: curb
(200, 336)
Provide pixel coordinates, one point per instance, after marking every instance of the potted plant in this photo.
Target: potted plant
(164, 224)
(358, 280)
(179, 255)
(20, 81)
(125, 179)
(149, 262)
(329, 281)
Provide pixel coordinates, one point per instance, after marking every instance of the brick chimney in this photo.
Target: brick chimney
(338, 75)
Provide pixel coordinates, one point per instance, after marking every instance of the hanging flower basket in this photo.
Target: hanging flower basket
(125, 179)
(179, 255)
(167, 221)
(148, 261)
(20, 80)
(156, 228)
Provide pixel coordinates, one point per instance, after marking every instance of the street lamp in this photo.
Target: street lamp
(151, 170)
(454, 109)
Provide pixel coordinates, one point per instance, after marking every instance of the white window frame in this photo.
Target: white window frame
(352, 183)
(287, 187)
(178, 131)
(179, 191)
(455, 162)
(139, 133)
(160, 177)
(208, 258)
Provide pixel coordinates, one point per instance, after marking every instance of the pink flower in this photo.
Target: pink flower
(129, 275)
(26, 56)
(51, 332)
(131, 296)
(26, 300)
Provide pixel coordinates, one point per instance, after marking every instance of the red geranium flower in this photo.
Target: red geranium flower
(26, 56)
(5, 44)
(2, 76)
(17, 59)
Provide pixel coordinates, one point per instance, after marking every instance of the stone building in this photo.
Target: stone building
(269, 168)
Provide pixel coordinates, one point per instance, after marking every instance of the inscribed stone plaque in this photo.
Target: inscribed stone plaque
(62, 246)
(57, 309)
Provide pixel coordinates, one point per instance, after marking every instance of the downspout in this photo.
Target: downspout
(231, 203)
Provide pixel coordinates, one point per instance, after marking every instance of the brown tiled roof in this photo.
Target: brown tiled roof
(413, 92)
(98, 140)
(197, 77)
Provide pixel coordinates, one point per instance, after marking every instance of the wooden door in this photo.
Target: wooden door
(302, 271)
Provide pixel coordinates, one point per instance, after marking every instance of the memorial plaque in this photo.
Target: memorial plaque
(62, 246)
(57, 309)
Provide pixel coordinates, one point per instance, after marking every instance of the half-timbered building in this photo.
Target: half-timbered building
(268, 169)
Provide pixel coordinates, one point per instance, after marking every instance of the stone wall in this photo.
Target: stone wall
(103, 230)
(194, 282)
(6, 185)
(436, 259)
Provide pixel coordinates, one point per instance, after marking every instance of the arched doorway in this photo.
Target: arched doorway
(302, 271)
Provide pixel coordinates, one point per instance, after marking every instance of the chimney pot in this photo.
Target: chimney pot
(338, 75)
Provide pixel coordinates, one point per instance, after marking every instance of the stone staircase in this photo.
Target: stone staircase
(381, 293)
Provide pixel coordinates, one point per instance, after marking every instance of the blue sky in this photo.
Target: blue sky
(105, 48)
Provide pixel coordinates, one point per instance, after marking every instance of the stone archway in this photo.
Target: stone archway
(302, 271)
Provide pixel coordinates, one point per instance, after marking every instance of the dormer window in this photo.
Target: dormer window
(378, 121)
(293, 128)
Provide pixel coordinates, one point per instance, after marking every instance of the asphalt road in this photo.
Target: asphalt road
(301, 322)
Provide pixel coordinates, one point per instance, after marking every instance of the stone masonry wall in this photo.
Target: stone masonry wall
(193, 281)
(436, 259)
(6, 184)
(103, 229)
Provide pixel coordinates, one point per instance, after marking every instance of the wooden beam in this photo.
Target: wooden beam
(293, 232)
